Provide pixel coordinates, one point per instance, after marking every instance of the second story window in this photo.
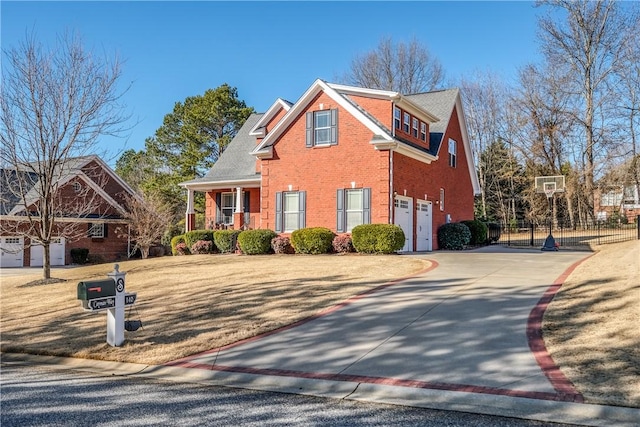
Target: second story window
(322, 128)
(415, 127)
(423, 131)
(397, 118)
(452, 153)
(406, 127)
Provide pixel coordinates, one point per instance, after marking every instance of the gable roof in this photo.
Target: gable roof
(235, 165)
(258, 129)
(70, 169)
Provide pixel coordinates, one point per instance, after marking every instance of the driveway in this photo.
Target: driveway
(471, 323)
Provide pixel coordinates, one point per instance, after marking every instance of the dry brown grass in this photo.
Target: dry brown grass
(187, 304)
(592, 327)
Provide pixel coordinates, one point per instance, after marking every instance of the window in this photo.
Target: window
(12, 240)
(290, 211)
(396, 118)
(353, 208)
(97, 231)
(76, 187)
(407, 117)
(227, 208)
(401, 203)
(322, 128)
(442, 199)
(415, 127)
(452, 153)
(423, 131)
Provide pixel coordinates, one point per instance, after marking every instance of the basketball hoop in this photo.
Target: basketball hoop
(549, 188)
(549, 185)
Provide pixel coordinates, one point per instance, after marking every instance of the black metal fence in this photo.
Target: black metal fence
(582, 236)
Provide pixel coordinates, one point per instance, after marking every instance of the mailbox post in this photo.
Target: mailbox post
(108, 294)
(115, 315)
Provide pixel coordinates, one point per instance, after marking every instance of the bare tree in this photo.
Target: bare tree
(55, 104)
(405, 68)
(148, 220)
(589, 46)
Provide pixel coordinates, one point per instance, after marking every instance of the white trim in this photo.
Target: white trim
(21, 218)
(220, 185)
(259, 128)
(404, 149)
(467, 146)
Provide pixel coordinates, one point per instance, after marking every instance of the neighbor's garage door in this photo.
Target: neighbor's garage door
(56, 250)
(11, 252)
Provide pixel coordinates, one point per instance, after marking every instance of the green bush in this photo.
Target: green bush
(191, 237)
(256, 242)
(174, 242)
(453, 236)
(226, 240)
(478, 231)
(313, 240)
(79, 255)
(377, 238)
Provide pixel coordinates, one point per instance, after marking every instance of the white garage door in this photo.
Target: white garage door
(423, 226)
(56, 250)
(11, 252)
(403, 217)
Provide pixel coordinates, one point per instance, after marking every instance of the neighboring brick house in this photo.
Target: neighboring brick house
(82, 178)
(343, 156)
(622, 200)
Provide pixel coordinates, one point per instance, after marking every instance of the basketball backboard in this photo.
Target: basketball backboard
(550, 184)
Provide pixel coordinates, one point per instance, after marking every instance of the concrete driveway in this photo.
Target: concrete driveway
(469, 324)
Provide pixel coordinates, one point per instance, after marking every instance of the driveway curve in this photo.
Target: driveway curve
(469, 324)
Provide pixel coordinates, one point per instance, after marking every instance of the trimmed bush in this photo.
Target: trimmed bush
(343, 244)
(313, 240)
(79, 255)
(377, 238)
(282, 245)
(256, 242)
(191, 237)
(453, 236)
(182, 249)
(226, 240)
(174, 242)
(478, 231)
(202, 247)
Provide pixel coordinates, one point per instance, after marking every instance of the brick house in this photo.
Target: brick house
(343, 156)
(81, 179)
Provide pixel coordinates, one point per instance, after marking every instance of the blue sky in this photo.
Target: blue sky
(268, 49)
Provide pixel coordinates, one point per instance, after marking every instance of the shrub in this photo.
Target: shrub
(453, 236)
(201, 247)
(256, 242)
(478, 231)
(79, 255)
(343, 244)
(282, 245)
(182, 249)
(191, 237)
(175, 240)
(493, 232)
(226, 240)
(377, 238)
(313, 240)
(156, 251)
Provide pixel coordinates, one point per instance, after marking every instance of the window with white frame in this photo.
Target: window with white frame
(397, 117)
(322, 128)
(452, 153)
(415, 127)
(96, 230)
(423, 131)
(407, 119)
(76, 187)
(353, 208)
(290, 211)
(227, 208)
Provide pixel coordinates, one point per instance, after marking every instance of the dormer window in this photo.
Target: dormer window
(407, 119)
(415, 127)
(397, 120)
(423, 131)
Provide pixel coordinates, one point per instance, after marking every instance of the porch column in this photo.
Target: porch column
(238, 214)
(190, 216)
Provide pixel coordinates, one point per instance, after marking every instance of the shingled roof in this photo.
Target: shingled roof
(440, 103)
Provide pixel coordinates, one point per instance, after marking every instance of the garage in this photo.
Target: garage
(57, 248)
(11, 251)
(403, 217)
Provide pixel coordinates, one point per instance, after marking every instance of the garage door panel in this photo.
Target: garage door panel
(11, 251)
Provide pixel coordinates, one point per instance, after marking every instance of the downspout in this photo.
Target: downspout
(128, 241)
(391, 197)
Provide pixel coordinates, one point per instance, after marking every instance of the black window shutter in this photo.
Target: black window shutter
(309, 140)
(302, 206)
(106, 229)
(334, 127)
(366, 205)
(89, 227)
(218, 210)
(278, 212)
(340, 227)
(246, 201)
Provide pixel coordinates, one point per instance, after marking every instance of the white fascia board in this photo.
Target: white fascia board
(302, 103)
(21, 218)
(467, 146)
(370, 93)
(218, 185)
(267, 116)
(404, 149)
(94, 186)
(116, 177)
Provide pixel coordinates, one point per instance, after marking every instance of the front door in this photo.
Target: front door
(403, 217)
(424, 224)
